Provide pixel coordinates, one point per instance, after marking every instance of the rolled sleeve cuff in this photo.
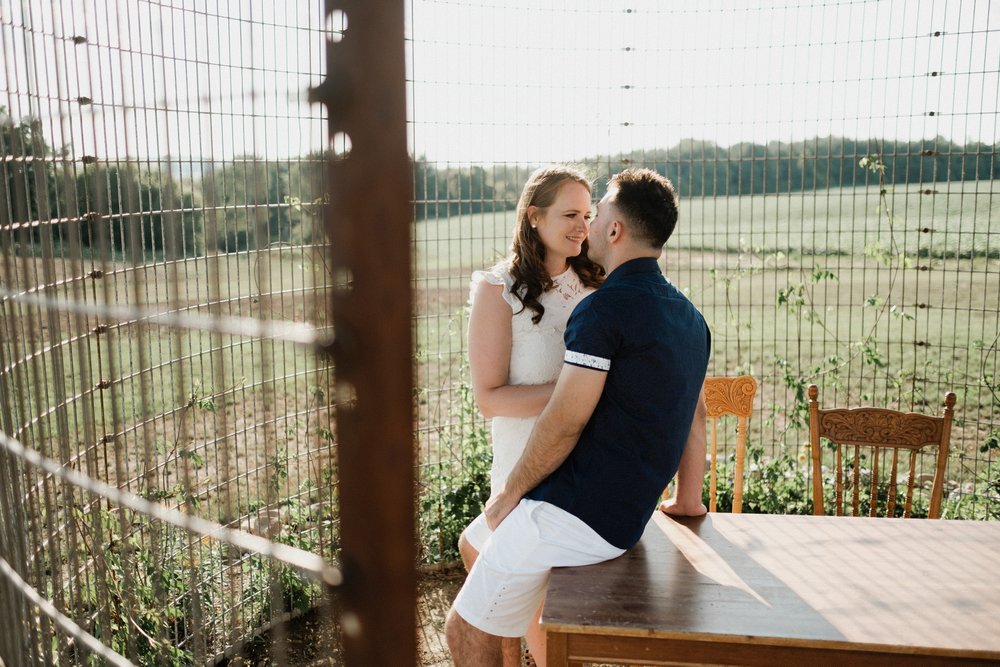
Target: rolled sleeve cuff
(587, 360)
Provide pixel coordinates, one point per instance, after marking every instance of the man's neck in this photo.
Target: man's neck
(620, 258)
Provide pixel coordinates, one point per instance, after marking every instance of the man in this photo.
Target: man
(613, 434)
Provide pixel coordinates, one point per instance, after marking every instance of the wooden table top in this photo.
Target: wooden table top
(907, 586)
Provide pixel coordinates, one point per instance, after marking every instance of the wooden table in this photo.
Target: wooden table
(755, 589)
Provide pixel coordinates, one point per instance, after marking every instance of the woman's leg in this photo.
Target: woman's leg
(467, 552)
(536, 639)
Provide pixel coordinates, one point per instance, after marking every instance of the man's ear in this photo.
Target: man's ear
(615, 230)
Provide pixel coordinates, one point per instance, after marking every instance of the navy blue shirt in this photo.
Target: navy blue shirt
(654, 345)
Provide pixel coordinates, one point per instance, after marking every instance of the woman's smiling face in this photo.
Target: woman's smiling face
(564, 226)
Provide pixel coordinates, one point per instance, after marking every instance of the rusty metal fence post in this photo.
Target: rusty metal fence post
(368, 222)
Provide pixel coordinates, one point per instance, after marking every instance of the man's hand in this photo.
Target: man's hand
(498, 507)
(686, 500)
(554, 436)
(672, 507)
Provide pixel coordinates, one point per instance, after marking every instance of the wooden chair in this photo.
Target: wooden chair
(729, 396)
(874, 432)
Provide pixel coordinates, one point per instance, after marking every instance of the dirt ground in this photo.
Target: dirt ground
(312, 640)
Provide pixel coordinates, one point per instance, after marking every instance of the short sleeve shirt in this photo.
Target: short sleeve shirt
(654, 346)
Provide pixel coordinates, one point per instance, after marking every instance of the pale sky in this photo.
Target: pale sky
(536, 81)
(495, 81)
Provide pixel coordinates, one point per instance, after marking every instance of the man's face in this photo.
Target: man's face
(600, 227)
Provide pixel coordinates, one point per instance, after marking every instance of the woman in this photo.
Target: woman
(519, 313)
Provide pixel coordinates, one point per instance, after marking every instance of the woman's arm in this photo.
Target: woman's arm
(490, 340)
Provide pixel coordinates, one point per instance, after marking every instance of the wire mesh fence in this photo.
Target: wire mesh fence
(164, 275)
(159, 315)
(837, 169)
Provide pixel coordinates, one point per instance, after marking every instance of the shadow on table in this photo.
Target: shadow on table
(684, 576)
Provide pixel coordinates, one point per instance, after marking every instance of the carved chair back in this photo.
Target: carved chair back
(867, 441)
(729, 396)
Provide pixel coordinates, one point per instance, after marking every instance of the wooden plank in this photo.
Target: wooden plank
(584, 648)
(555, 648)
(763, 583)
(655, 586)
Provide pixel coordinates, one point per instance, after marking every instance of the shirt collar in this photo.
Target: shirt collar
(639, 265)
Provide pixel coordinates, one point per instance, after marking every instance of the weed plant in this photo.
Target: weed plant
(455, 488)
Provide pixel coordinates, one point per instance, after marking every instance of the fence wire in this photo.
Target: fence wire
(167, 422)
(164, 278)
(837, 167)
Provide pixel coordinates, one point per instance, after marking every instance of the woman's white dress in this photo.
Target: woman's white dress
(536, 355)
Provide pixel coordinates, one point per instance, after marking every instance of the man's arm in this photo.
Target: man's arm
(555, 435)
(691, 473)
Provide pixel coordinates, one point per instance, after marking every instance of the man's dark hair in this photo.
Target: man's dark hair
(648, 202)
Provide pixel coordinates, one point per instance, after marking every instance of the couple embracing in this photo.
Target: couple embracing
(590, 365)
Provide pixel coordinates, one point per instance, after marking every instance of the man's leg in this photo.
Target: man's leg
(504, 590)
(470, 646)
(510, 647)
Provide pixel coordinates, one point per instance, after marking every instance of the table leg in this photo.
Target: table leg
(555, 649)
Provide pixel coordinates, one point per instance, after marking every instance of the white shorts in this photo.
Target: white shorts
(508, 581)
(477, 532)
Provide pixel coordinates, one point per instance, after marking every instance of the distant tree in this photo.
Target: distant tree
(255, 202)
(425, 189)
(307, 183)
(443, 191)
(138, 210)
(28, 190)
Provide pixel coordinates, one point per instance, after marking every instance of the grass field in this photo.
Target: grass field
(175, 412)
(847, 220)
(872, 327)
(892, 315)
(837, 221)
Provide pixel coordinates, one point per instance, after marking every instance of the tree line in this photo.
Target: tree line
(187, 208)
(163, 208)
(705, 169)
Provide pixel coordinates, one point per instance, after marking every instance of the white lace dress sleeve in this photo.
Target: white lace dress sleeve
(536, 355)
